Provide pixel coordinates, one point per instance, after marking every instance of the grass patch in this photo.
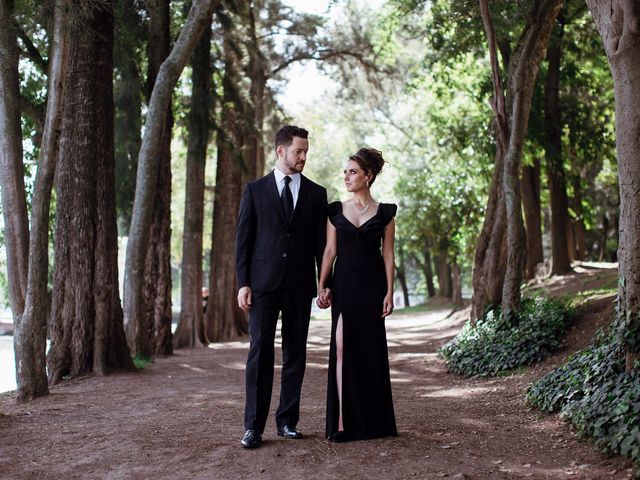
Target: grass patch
(493, 345)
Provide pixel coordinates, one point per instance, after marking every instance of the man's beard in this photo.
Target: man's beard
(293, 166)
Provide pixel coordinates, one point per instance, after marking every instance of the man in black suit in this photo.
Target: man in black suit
(279, 243)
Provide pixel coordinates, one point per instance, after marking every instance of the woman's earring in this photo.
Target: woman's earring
(367, 183)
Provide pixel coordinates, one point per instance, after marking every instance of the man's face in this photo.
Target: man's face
(291, 159)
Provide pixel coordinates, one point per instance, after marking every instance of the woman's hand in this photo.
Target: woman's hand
(324, 298)
(387, 305)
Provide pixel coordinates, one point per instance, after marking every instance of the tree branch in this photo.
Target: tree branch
(319, 56)
(31, 52)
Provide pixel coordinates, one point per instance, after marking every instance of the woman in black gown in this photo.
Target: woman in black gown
(360, 236)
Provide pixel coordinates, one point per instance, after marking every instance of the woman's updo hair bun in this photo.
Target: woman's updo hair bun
(370, 160)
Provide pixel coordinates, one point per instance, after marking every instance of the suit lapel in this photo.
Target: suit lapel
(272, 190)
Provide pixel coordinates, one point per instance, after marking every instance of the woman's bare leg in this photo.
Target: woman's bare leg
(339, 345)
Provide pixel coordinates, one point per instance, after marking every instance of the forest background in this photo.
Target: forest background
(412, 79)
(128, 129)
(134, 126)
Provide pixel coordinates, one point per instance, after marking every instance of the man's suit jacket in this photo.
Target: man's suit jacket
(270, 251)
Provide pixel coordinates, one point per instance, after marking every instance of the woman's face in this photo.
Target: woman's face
(354, 177)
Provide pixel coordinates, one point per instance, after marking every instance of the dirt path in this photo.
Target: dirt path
(182, 418)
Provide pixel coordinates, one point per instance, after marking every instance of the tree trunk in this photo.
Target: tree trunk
(87, 333)
(257, 69)
(560, 260)
(617, 21)
(457, 284)
(157, 291)
(190, 332)
(532, 217)
(30, 331)
(14, 203)
(428, 273)
(223, 317)
(603, 242)
(523, 70)
(445, 282)
(489, 264)
(198, 20)
(402, 277)
(580, 231)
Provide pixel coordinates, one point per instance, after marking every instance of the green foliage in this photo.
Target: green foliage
(596, 396)
(494, 345)
(141, 361)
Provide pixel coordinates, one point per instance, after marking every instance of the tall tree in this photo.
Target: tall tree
(190, 331)
(512, 115)
(198, 19)
(223, 317)
(250, 59)
(560, 261)
(87, 333)
(14, 203)
(617, 21)
(157, 276)
(532, 216)
(30, 330)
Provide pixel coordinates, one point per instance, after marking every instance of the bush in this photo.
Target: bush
(596, 396)
(494, 345)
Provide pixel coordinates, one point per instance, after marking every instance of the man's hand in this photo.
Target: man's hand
(324, 298)
(244, 298)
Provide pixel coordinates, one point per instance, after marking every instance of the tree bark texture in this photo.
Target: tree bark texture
(489, 265)
(258, 73)
(618, 22)
(523, 69)
(560, 260)
(428, 273)
(190, 331)
(456, 284)
(223, 317)
(532, 217)
(87, 331)
(579, 229)
(14, 203)
(402, 277)
(198, 20)
(445, 282)
(30, 331)
(157, 277)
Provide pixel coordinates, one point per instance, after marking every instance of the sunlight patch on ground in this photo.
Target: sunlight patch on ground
(193, 369)
(234, 366)
(226, 345)
(321, 366)
(456, 392)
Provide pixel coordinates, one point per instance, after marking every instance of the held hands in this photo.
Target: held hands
(324, 298)
(244, 298)
(387, 305)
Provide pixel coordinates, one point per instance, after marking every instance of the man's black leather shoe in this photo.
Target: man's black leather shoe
(289, 432)
(251, 439)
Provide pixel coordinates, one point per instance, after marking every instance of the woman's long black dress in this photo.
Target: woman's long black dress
(358, 291)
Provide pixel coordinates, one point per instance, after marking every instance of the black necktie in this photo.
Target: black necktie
(287, 199)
